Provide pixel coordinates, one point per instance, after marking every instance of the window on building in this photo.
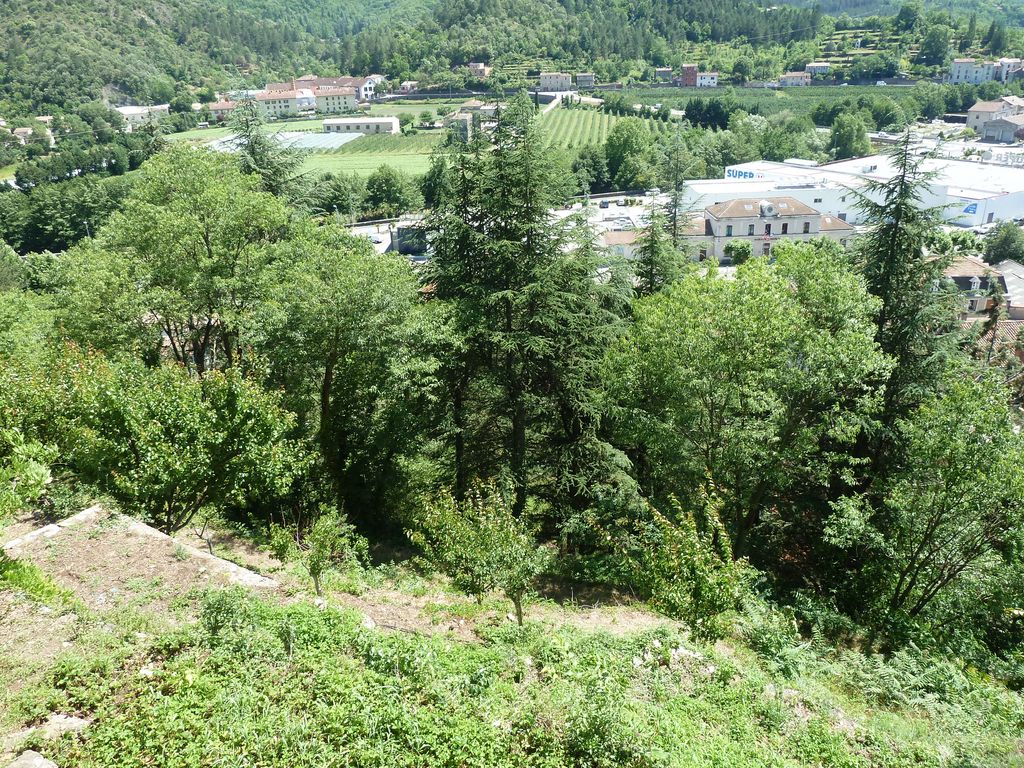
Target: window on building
(765, 248)
(842, 217)
(750, 229)
(728, 230)
(785, 228)
(807, 227)
(703, 254)
(817, 199)
(768, 228)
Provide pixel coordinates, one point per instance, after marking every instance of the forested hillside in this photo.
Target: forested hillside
(60, 56)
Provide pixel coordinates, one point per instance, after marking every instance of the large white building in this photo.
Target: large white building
(971, 71)
(707, 79)
(969, 192)
(365, 125)
(286, 103)
(333, 100)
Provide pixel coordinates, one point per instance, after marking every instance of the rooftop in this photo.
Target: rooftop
(746, 207)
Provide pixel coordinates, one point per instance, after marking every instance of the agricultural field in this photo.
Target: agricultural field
(800, 100)
(410, 154)
(396, 108)
(575, 128)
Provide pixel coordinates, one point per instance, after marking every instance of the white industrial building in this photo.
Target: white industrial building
(971, 193)
(364, 125)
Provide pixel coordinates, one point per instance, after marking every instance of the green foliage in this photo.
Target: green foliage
(849, 137)
(260, 155)
(330, 542)
(739, 251)
(24, 472)
(710, 398)
(390, 193)
(182, 261)
(1005, 242)
(166, 445)
(30, 580)
(480, 544)
(658, 262)
(683, 562)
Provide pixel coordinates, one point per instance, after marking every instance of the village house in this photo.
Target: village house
(975, 280)
(365, 125)
(1012, 273)
(479, 70)
(986, 112)
(663, 74)
(793, 79)
(818, 68)
(707, 80)
(409, 86)
(135, 117)
(221, 110)
(585, 80)
(687, 76)
(555, 81)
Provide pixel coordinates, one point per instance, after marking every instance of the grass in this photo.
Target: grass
(7, 171)
(363, 156)
(28, 579)
(260, 684)
(408, 153)
(395, 108)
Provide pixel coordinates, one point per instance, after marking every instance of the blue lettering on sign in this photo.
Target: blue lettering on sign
(972, 208)
(735, 173)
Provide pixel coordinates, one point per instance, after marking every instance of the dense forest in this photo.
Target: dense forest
(139, 50)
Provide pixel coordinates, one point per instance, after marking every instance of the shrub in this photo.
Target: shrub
(481, 545)
(330, 542)
(685, 566)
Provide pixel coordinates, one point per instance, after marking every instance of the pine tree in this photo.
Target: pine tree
(530, 321)
(261, 155)
(658, 262)
(916, 321)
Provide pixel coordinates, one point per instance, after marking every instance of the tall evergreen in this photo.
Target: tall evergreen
(530, 320)
(658, 261)
(916, 319)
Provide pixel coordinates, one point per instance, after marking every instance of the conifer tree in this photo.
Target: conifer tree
(530, 320)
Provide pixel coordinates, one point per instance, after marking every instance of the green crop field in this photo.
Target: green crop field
(396, 108)
(363, 156)
(575, 128)
(409, 153)
(800, 100)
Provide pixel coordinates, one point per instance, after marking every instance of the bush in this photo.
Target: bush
(330, 542)
(685, 566)
(481, 545)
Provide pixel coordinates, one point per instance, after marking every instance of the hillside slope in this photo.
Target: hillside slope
(128, 636)
(137, 49)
